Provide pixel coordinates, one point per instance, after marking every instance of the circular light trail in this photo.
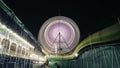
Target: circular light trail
(59, 35)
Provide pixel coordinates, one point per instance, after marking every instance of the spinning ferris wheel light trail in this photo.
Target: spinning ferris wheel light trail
(59, 35)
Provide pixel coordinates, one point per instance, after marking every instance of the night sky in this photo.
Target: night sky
(89, 15)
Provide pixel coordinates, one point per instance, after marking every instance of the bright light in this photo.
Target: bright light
(33, 56)
(59, 31)
(16, 35)
(0, 46)
(38, 58)
(3, 26)
(42, 59)
(76, 54)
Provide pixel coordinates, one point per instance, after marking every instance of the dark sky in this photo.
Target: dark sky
(90, 15)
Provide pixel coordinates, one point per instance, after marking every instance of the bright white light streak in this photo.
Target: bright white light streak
(42, 59)
(0, 46)
(16, 35)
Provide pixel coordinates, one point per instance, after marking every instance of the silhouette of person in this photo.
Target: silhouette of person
(45, 65)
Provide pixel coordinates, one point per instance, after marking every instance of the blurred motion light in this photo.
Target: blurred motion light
(59, 35)
(16, 35)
